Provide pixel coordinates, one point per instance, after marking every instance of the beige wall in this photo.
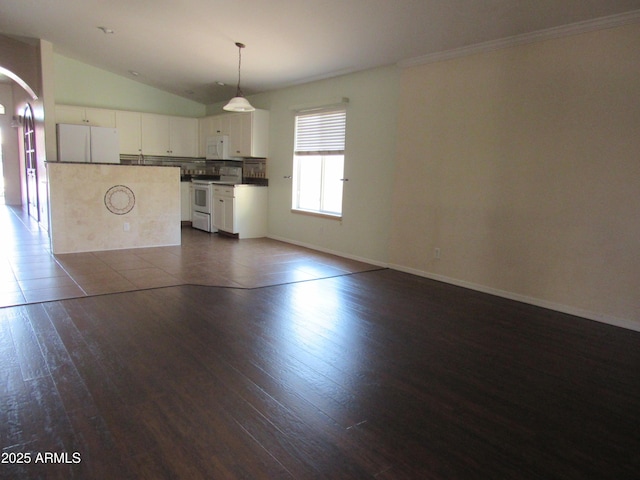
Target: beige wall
(10, 152)
(80, 221)
(363, 232)
(523, 167)
(22, 58)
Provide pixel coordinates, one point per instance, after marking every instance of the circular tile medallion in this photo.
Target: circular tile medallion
(119, 199)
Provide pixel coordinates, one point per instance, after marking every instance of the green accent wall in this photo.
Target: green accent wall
(77, 83)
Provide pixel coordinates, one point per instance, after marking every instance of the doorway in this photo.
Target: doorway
(30, 162)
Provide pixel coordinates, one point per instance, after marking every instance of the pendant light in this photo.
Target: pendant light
(239, 103)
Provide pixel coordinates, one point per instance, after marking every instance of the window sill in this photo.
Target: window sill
(317, 214)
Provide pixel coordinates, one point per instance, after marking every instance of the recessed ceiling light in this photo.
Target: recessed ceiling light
(222, 84)
(106, 30)
(134, 73)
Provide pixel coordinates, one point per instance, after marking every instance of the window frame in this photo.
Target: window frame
(327, 140)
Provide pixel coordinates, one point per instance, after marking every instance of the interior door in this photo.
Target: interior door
(30, 161)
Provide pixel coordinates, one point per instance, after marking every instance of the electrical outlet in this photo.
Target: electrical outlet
(126, 227)
(436, 253)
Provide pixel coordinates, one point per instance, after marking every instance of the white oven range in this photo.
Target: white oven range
(202, 205)
(202, 197)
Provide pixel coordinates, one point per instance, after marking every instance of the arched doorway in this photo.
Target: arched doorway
(21, 165)
(30, 162)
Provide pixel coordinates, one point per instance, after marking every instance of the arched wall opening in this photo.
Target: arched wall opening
(19, 81)
(15, 95)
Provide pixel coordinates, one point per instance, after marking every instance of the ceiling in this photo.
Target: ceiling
(186, 47)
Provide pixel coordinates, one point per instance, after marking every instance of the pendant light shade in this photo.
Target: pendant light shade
(239, 103)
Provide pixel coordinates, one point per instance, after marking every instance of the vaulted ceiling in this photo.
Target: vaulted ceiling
(188, 47)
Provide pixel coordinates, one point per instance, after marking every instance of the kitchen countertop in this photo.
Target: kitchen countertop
(225, 184)
(188, 177)
(256, 182)
(111, 164)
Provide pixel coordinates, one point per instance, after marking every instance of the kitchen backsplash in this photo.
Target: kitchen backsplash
(254, 171)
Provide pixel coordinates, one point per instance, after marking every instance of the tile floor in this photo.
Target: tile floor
(30, 273)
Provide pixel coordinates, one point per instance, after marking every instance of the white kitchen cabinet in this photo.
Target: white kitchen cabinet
(241, 210)
(208, 126)
(183, 136)
(129, 128)
(185, 201)
(95, 117)
(70, 115)
(225, 123)
(224, 209)
(236, 145)
(149, 133)
(168, 135)
(155, 134)
(249, 134)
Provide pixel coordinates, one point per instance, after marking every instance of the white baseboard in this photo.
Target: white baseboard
(558, 307)
(331, 252)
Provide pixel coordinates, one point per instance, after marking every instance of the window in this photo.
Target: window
(318, 161)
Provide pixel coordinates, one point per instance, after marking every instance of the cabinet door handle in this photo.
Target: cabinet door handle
(287, 177)
(344, 179)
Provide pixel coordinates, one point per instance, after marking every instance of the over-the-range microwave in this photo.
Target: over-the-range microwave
(217, 147)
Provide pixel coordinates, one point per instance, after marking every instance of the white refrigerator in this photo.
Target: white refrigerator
(83, 143)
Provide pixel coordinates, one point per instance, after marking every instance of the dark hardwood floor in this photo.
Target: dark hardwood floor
(377, 374)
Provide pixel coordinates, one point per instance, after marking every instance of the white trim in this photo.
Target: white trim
(629, 324)
(539, 36)
(331, 252)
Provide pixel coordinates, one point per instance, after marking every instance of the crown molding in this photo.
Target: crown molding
(538, 36)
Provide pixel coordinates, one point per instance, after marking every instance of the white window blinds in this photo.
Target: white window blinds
(320, 132)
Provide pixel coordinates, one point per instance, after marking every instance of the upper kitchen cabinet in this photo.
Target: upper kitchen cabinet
(183, 136)
(167, 135)
(96, 117)
(129, 129)
(211, 126)
(248, 134)
(208, 126)
(155, 134)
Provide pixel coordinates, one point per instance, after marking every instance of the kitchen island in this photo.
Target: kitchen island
(96, 207)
